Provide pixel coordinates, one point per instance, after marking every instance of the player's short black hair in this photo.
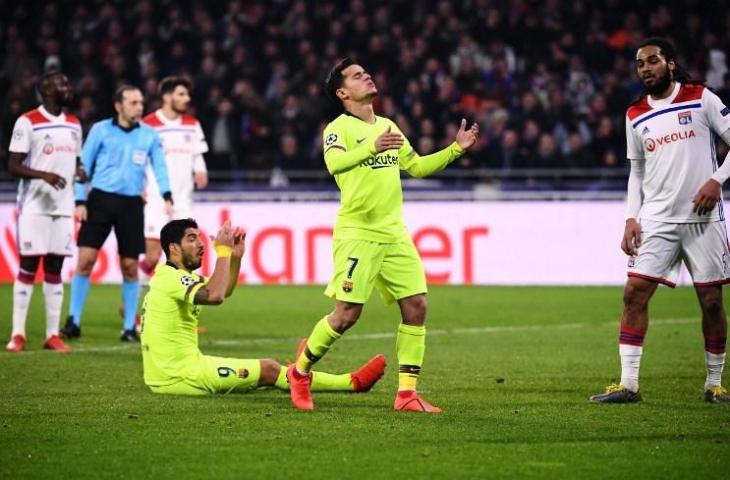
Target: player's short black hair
(119, 92)
(46, 78)
(169, 84)
(670, 54)
(173, 232)
(334, 78)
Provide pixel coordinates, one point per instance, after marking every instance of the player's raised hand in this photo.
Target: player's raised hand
(224, 235)
(239, 242)
(388, 141)
(54, 180)
(632, 237)
(707, 197)
(467, 137)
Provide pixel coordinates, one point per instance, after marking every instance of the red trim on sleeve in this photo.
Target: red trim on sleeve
(688, 92)
(153, 120)
(637, 108)
(189, 120)
(36, 117)
(70, 118)
(652, 279)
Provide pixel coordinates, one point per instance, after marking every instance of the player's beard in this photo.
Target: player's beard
(191, 262)
(661, 84)
(180, 111)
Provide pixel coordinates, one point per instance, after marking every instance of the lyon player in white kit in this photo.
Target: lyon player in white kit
(44, 153)
(184, 144)
(675, 211)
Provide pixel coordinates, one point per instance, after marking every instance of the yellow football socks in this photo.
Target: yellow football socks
(318, 344)
(410, 347)
(321, 382)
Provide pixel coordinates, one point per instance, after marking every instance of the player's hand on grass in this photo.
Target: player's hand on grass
(466, 138)
(54, 180)
(224, 235)
(239, 242)
(388, 141)
(707, 197)
(201, 180)
(632, 237)
(80, 213)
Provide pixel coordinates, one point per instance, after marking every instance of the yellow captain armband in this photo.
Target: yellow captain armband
(223, 251)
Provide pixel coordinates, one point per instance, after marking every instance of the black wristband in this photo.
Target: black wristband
(168, 197)
(80, 203)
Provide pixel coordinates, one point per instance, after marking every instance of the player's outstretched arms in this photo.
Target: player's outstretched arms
(632, 237)
(420, 167)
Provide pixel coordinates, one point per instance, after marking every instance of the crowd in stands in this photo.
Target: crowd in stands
(548, 81)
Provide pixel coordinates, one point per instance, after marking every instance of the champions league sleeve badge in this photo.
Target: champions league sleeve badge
(331, 138)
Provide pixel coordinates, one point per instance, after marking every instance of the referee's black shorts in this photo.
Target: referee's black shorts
(123, 212)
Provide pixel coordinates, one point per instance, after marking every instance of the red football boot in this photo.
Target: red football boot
(16, 344)
(54, 343)
(408, 400)
(300, 388)
(368, 375)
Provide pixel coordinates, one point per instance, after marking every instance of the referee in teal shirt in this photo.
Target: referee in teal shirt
(114, 157)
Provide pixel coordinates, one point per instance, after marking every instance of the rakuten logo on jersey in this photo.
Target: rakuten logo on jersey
(380, 161)
(652, 143)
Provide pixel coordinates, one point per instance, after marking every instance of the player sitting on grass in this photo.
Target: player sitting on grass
(172, 362)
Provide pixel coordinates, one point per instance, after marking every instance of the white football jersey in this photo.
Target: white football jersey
(675, 137)
(52, 144)
(184, 143)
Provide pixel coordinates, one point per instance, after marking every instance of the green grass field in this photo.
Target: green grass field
(512, 368)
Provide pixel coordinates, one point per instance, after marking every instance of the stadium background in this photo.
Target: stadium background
(548, 83)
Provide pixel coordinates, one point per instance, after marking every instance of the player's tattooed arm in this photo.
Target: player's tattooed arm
(204, 297)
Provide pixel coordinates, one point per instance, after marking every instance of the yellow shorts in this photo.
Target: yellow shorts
(216, 375)
(395, 269)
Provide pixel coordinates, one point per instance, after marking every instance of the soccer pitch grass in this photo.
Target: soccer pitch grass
(511, 367)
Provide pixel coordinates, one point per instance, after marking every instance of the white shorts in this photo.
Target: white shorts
(45, 234)
(702, 246)
(155, 217)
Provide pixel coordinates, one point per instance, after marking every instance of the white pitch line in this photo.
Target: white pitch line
(381, 335)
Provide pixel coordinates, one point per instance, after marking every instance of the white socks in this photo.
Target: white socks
(714, 363)
(22, 293)
(630, 360)
(53, 293)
